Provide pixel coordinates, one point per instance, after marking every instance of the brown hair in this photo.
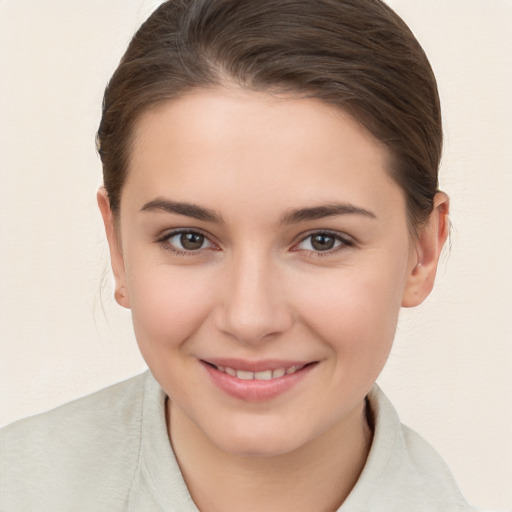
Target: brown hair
(356, 54)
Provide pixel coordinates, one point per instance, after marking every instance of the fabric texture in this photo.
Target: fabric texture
(110, 452)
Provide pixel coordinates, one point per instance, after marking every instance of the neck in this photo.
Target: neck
(317, 476)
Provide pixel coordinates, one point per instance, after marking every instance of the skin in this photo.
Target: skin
(258, 289)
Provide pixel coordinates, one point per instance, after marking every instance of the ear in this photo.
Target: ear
(114, 244)
(425, 253)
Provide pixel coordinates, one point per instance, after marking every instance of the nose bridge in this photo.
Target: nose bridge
(254, 308)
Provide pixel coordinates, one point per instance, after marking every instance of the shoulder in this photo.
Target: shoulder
(429, 473)
(88, 447)
(403, 472)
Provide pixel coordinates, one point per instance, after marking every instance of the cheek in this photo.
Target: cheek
(356, 311)
(168, 305)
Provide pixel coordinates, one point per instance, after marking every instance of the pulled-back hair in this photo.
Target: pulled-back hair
(357, 55)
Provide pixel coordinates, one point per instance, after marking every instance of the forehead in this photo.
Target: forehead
(214, 144)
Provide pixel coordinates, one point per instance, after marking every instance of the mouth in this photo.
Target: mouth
(267, 374)
(257, 382)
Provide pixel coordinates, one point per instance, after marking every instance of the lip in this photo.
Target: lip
(256, 390)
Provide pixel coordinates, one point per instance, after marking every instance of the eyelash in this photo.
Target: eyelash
(166, 244)
(343, 242)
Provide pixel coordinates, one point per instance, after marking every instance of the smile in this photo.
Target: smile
(260, 375)
(256, 381)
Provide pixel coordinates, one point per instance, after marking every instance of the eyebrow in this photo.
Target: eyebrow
(181, 208)
(328, 210)
(290, 217)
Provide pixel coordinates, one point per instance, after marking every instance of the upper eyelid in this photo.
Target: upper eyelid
(344, 237)
(168, 233)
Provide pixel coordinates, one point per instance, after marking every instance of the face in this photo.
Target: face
(264, 252)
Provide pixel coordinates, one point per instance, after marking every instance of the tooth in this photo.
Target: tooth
(230, 371)
(221, 368)
(279, 372)
(242, 374)
(266, 375)
(291, 370)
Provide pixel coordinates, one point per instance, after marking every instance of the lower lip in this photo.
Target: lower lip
(255, 390)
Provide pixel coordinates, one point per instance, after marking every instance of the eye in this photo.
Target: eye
(186, 241)
(323, 242)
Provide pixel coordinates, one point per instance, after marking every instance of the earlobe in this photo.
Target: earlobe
(426, 252)
(114, 244)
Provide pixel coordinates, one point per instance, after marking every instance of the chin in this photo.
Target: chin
(253, 440)
(258, 448)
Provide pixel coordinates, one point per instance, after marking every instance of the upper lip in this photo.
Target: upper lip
(255, 366)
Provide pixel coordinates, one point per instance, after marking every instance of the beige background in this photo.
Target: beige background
(449, 373)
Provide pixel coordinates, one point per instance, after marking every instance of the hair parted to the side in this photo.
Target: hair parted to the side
(355, 54)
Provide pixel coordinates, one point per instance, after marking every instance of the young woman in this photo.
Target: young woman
(271, 202)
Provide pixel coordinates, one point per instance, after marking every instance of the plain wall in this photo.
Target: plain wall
(449, 372)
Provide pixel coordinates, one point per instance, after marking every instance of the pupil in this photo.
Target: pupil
(322, 242)
(191, 241)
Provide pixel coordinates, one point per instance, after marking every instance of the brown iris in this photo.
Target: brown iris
(322, 242)
(191, 241)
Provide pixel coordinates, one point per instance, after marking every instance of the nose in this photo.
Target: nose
(253, 308)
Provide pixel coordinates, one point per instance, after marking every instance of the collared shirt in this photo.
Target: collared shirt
(110, 451)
